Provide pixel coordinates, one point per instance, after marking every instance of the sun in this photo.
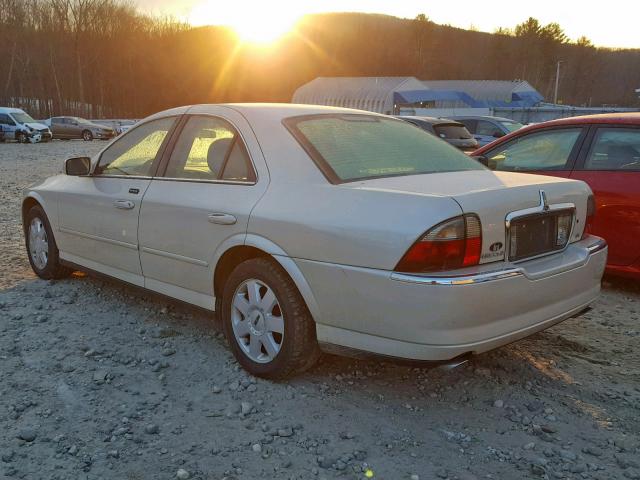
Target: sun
(254, 22)
(263, 30)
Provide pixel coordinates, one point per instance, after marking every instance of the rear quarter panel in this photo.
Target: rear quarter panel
(335, 224)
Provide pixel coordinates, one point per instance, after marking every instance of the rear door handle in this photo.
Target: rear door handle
(222, 218)
(124, 204)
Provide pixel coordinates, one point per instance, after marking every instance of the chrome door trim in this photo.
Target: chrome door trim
(100, 239)
(174, 256)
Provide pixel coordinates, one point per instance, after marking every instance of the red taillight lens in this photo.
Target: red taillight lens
(452, 244)
(591, 215)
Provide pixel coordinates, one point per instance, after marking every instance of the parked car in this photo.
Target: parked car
(19, 126)
(485, 129)
(312, 228)
(601, 150)
(450, 131)
(66, 128)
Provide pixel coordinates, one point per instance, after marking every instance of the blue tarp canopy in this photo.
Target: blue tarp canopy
(519, 99)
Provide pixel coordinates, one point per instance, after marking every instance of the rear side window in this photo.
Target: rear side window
(349, 147)
(546, 150)
(614, 149)
(209, 148)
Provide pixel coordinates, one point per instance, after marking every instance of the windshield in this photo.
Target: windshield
(512, 126)
(452, 131)
(354, 147)
(22, 117)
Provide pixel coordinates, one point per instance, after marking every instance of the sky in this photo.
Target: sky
(609, 24)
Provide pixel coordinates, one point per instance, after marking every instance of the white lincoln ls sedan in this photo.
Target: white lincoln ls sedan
(316, 228)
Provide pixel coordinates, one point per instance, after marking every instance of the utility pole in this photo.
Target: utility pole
(555, 93)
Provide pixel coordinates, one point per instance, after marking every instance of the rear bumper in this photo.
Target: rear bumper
(438, 318)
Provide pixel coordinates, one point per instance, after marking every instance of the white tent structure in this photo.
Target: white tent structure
(491, 92)
(375, 94)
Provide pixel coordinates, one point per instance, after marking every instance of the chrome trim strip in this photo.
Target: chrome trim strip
(458, 280)
(491, 276)
(137, 177)
(601, 244)
(111, 241)
(197, 180)
(175, 256)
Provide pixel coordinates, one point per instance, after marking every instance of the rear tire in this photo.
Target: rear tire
(42, 250)
(261, 306)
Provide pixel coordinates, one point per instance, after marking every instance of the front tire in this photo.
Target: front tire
(42, 250)
(87, 136)
(267, 322)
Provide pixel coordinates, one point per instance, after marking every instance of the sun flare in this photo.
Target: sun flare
(257, 23)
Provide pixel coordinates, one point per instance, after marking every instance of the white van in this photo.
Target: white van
(18, 125)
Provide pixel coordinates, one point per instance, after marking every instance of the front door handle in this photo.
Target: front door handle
(222, 218)
(124, 204)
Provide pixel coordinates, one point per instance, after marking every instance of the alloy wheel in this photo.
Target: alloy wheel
(38, 243)
(257, 321)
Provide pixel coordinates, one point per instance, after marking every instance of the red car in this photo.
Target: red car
(602, 150)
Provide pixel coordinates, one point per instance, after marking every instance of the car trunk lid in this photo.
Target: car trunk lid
(494, 196)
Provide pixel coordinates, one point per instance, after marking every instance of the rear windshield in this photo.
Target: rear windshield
(452, 131)
(348, 147)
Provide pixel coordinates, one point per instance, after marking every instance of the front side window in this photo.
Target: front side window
(209, 148)
(548, 150)
(614, 149)
(348, 147)
(6, 119)
(135, 152)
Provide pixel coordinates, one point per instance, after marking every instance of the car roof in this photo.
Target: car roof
(623, 118)
(483, 117)
(11, 110)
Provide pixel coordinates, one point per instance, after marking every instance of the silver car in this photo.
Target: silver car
(316, 228)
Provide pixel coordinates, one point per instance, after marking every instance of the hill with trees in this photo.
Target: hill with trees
(102, 58)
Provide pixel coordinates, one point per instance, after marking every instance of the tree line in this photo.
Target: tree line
(102, 58)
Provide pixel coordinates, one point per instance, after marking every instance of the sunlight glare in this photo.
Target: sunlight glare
(257, 23)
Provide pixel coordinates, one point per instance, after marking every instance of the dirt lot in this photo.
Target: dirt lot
(101, 381)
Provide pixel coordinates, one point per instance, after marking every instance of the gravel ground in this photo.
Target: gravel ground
(104, 381)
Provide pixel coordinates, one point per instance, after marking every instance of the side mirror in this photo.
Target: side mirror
(482, 159)
(498, 134)
(77, 166)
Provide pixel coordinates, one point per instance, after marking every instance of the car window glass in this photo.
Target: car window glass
(202, 149)
(348, 147)
(470, 124)
(238, 167)
(486, 128)
(614, 149)
(6, 119)
(135, 152)
(536, 151)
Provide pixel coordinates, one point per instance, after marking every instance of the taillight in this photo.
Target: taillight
(591, 215)
(452, 244)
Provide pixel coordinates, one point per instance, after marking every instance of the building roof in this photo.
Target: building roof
(377, 88)
(501, 90)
